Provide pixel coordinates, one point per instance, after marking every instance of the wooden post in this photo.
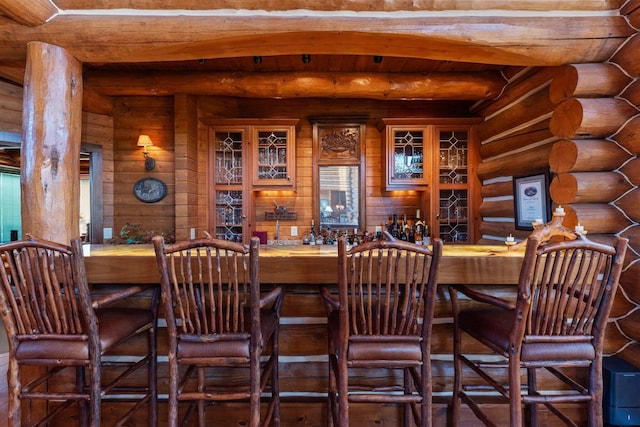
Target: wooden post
(51, 128)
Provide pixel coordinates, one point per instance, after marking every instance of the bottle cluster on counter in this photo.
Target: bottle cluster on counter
(413, 230)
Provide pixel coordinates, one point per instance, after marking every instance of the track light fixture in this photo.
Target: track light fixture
(257, 59)
(306, 58)
(377, 59)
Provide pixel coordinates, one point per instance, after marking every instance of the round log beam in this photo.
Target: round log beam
(582, 155)
(418, 86)
(587, 187)
(587, 80)
(598, 218)
(632, 171)
(629, 136)
(586, 118)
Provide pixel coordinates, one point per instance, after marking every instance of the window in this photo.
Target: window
(10, 217)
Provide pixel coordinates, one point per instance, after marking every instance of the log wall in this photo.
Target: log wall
(581, 124)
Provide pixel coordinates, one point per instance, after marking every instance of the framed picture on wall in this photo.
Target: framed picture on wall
(531, 200)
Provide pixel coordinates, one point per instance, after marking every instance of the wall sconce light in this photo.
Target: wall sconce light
(306, 58)
(257, 59)
(377, 59)
(145, 141)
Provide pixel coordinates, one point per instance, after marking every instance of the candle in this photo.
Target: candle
(559, 210)
(538, 221)
(579, 228)
(417, 213)
(510, 239)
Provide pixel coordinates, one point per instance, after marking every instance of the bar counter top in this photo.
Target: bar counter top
(469, 264)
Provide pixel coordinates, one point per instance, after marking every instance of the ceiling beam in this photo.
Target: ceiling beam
(29, 12)
(503, 40)
(352, 5)
(395, 86)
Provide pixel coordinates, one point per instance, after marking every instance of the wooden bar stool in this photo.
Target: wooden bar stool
(382, 319)
(217, 318)
(555, 325)
(54, 328)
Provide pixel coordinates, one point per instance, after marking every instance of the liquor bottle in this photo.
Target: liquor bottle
(411, 237)
(312, 233)
(394, 226)
(417, 232)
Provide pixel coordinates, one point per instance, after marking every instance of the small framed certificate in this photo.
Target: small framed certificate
(531, 200)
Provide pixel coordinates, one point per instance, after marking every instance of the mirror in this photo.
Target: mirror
(339, 197)
(338, 176)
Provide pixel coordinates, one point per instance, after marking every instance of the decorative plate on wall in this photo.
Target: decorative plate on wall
(149, 190)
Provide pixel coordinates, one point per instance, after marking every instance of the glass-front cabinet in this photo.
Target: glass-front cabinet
(452, 221)
(434, 156)
(228, 154)
(246, 155)
(274, 155)
(407, 157)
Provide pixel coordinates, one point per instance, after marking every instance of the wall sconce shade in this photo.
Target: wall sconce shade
(149, 162)
(306, 58)
(377, 59)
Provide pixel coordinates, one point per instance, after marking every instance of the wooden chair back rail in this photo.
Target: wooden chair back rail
(39, 284)
(565, 293)
(210, 287)
(51, 322)
(216, 317)
(387, 290)
(382, 319)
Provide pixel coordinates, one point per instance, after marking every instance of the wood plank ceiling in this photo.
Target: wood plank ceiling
(151, 45)
(405, 49)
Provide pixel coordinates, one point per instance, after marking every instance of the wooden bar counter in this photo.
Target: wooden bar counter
(471, 264)
(303, 340)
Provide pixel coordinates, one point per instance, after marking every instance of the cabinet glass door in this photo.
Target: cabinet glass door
(453, 182)
(228, 191)
(407, 158)
(274, 156)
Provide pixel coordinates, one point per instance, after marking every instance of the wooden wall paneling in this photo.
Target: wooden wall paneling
(10, 107)
(186, 166)
(153, 116)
